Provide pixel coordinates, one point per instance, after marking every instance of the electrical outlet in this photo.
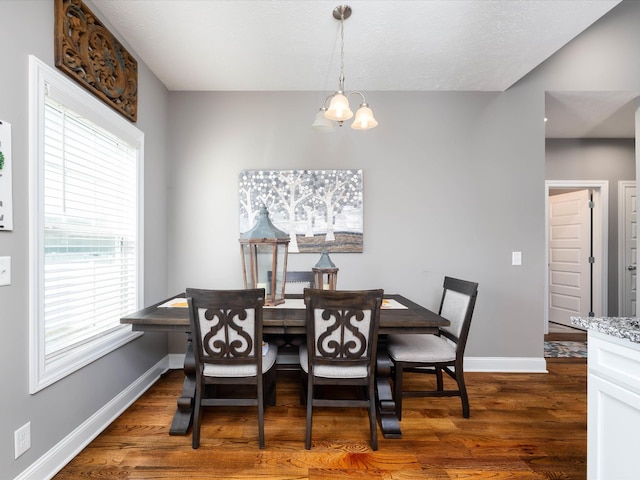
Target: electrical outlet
(22, 439)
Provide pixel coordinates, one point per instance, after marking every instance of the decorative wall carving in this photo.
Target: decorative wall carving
(91, 55)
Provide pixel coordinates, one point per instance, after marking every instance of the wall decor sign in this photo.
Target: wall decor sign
(6, 209)
(87, 51)
(317, 208)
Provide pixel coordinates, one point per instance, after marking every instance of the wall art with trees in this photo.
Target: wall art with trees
(317, 208)
(6, 209)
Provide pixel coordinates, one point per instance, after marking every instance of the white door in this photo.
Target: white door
(628, 239)
(569, 252)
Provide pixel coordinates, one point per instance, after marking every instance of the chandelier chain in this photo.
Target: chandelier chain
(342, 52)
(338, 110)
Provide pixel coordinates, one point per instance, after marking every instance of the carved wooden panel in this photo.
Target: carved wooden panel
(91, 55)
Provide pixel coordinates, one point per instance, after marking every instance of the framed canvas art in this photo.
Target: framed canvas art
(6, 208)
(317, 208)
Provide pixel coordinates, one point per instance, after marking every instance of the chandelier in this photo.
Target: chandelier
(338, 110)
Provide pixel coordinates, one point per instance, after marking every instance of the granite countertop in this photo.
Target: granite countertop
(621, 327)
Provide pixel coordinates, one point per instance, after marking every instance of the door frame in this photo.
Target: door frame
(600, 241)
(622, 265)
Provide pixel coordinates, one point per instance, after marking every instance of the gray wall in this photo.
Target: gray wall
(446, 192)
(596, 159)
(27, 28)
(454, 182)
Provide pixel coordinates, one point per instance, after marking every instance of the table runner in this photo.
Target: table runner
(294, 303)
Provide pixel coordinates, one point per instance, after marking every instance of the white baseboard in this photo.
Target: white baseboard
(64, 451)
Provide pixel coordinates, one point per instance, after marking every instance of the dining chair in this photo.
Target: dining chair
(434, 354)
(226, 327)
(296, 281)
(342, 338)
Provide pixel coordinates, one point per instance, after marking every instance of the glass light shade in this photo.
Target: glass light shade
(322, 123)
(339, 108)
(364, 119)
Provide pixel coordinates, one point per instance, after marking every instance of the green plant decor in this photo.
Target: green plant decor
(1, 160)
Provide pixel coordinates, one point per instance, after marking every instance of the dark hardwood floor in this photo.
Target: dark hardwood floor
(522, 426)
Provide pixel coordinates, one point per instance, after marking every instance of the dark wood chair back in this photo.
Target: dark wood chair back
(342, 340)
(226, 329)
(295, 281)
(226, 326)
(342, 328)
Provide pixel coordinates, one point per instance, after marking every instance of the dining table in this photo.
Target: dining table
(398, 315)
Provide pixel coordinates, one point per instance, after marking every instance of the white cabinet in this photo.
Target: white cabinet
(613, 423)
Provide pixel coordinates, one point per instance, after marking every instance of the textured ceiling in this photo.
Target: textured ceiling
(458, 45)
(395, 45)
(591, 114)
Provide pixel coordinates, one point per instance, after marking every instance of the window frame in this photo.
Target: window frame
(43, 81)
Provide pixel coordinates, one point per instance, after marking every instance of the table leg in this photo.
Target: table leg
(183, 417)
(389, 423)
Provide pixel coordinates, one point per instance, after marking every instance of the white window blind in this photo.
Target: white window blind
(89, 230)
(85, 226)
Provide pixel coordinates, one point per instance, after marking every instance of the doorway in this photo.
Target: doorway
(595, 116)
(627, 248)
(561, 308)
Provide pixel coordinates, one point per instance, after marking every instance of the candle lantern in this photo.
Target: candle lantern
(325, 273)
(264, 251)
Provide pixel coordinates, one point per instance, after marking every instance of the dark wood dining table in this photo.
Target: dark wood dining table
(282, 320)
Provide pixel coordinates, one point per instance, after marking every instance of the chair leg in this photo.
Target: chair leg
(397, 389)
(463, 394)
(270, 388)
(439, 381)
(197, 416)
(307, 440)
(272, 397)
(303, 388)
(261, 418)
(373, 422)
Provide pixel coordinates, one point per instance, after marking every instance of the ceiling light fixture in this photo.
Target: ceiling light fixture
(338, 109)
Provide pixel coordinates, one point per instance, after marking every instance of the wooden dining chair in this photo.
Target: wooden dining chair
(434, 354)
(342, 338)
(296, 281)
(226, 326)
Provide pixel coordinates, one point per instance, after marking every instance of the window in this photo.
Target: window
(85, 227)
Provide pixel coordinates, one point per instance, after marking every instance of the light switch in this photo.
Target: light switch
(516, 258)
(5, 271)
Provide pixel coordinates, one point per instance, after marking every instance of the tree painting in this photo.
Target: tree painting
(317, 208)
(6, 209)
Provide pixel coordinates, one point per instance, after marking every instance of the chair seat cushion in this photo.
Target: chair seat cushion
(268, 361)
(420, 348)
(329, 371)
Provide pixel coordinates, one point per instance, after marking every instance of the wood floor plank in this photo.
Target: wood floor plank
(522, 426)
